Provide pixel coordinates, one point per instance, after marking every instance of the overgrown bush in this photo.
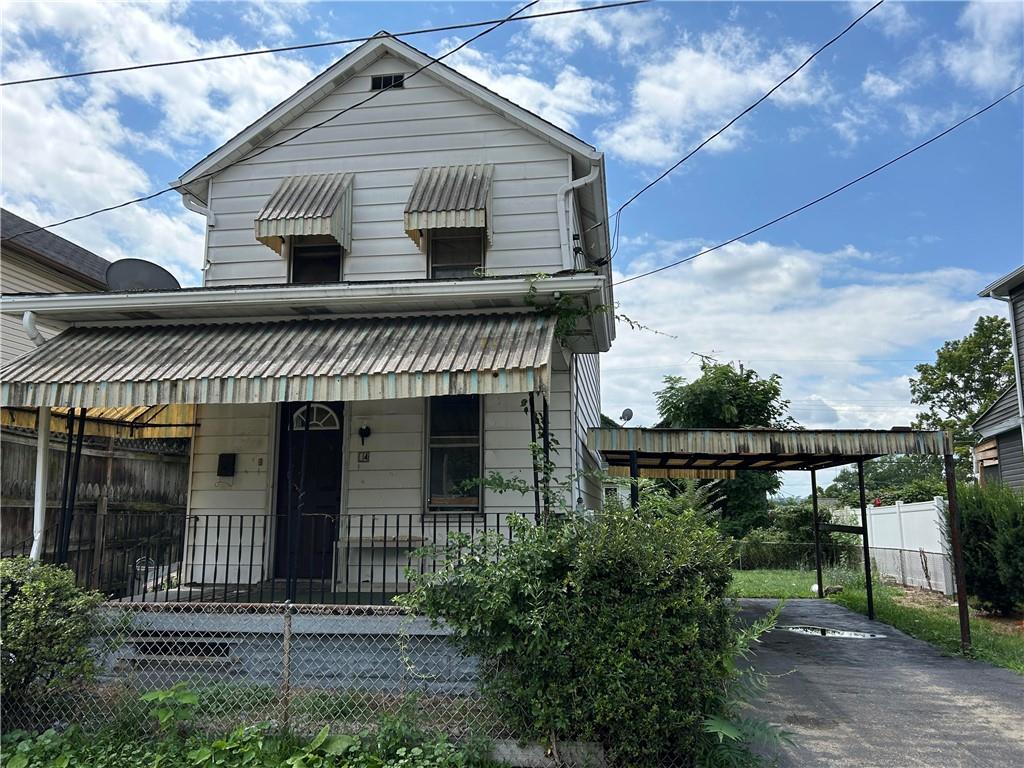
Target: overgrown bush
(46, 624)
(613, 630)
(992, 540)
(788, 540)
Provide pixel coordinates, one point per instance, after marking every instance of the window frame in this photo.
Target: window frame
(310, 240)
(428, 445)
(397, 81)
(455, 234)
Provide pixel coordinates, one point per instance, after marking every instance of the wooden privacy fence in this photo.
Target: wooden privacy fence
(115, 483)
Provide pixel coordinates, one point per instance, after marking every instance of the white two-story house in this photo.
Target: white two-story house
(405, 286)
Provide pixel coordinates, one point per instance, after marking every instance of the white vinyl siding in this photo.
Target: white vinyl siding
(588, 415)
(231, 511)
(385, 143)
(19, 274)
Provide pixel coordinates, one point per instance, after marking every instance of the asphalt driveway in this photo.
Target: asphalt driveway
(886, 701)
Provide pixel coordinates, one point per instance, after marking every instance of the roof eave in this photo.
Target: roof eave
(1001, 288)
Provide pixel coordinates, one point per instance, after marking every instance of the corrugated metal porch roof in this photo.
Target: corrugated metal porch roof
(317, 204)
(335, 359)
(449, 197)
(762, 449)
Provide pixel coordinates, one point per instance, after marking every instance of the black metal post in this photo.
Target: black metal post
(958, 555)
(634, 481)
(864, 533)
(817, 531)
(71, 493)
(546, 438)
(533, 456)
(65, 482)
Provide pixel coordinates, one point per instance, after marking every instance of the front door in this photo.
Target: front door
(306, 540)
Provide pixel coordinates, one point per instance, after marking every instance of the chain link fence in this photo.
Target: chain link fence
(298, 667)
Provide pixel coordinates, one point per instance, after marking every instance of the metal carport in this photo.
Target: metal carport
(664, 452)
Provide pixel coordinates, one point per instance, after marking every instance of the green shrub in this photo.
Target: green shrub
(46, 624)
(991, 535)
(614, 630)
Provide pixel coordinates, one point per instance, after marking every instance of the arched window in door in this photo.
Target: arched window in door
(321, 417)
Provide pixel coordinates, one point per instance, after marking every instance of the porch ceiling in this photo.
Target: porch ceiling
(758, 449)
(339, 359)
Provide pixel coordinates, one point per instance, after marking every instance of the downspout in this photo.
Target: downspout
(28, 322)
(191, 202)
(562, 203)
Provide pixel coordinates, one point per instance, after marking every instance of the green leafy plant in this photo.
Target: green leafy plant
(172, 707)
(992, 540)
(615, 630)
(46, 625)
(732, 737)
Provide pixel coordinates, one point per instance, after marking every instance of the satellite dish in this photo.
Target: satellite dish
(139, 275)
(626, 415)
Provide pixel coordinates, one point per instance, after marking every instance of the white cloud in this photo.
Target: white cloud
(880, 86)
(275, 18)
(570, 96)
(989, 57)
(67, 146)
(622, 29)
(684, 93)
(893, 18)
(780, 309)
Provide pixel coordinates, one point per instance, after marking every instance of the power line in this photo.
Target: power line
(618, 212)
(308, 46)
(269, 147)
(826, 196)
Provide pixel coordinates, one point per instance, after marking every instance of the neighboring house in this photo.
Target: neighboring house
(398, 301)
(1000, 454)
(40, 262)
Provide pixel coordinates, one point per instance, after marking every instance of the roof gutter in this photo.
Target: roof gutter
(28, 322)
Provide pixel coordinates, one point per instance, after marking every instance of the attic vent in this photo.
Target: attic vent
(382, 82)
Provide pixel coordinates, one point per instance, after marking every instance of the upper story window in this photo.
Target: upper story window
(382, 82)
(314, 259)
(455, 253)
(454, 454)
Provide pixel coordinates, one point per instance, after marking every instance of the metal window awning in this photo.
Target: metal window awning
(317, 204)
(331, 359)
(758, 449)
(450, 197)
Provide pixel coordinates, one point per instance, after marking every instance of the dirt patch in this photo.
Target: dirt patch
(1011, 624)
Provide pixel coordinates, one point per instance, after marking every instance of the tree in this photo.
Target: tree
(891, 479)
(725, 397)
(966, 378)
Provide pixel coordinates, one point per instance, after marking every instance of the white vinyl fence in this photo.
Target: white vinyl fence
(908, 544)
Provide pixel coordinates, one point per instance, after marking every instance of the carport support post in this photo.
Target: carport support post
(864, 534)
(71, 493)
(817, 531)
(958, 555)
(42, 470)
(634, 481)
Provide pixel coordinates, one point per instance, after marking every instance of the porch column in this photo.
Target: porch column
(816, 522)
(958, 555)
(864, 533)
(42, 472)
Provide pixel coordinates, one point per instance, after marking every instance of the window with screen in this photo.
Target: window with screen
(453, 454)
(455, 253)
(315, 260)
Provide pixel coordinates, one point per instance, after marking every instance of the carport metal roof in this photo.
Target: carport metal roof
(757, 449)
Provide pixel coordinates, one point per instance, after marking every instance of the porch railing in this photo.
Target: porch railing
(256, 558)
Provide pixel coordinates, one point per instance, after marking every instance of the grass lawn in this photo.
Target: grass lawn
(926, 616)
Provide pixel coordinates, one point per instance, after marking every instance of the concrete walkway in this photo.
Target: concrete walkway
(892, 701)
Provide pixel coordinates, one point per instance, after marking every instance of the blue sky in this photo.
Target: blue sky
(842, 300)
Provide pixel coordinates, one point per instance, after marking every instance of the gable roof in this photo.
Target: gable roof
(51, 250)
(346, 67)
